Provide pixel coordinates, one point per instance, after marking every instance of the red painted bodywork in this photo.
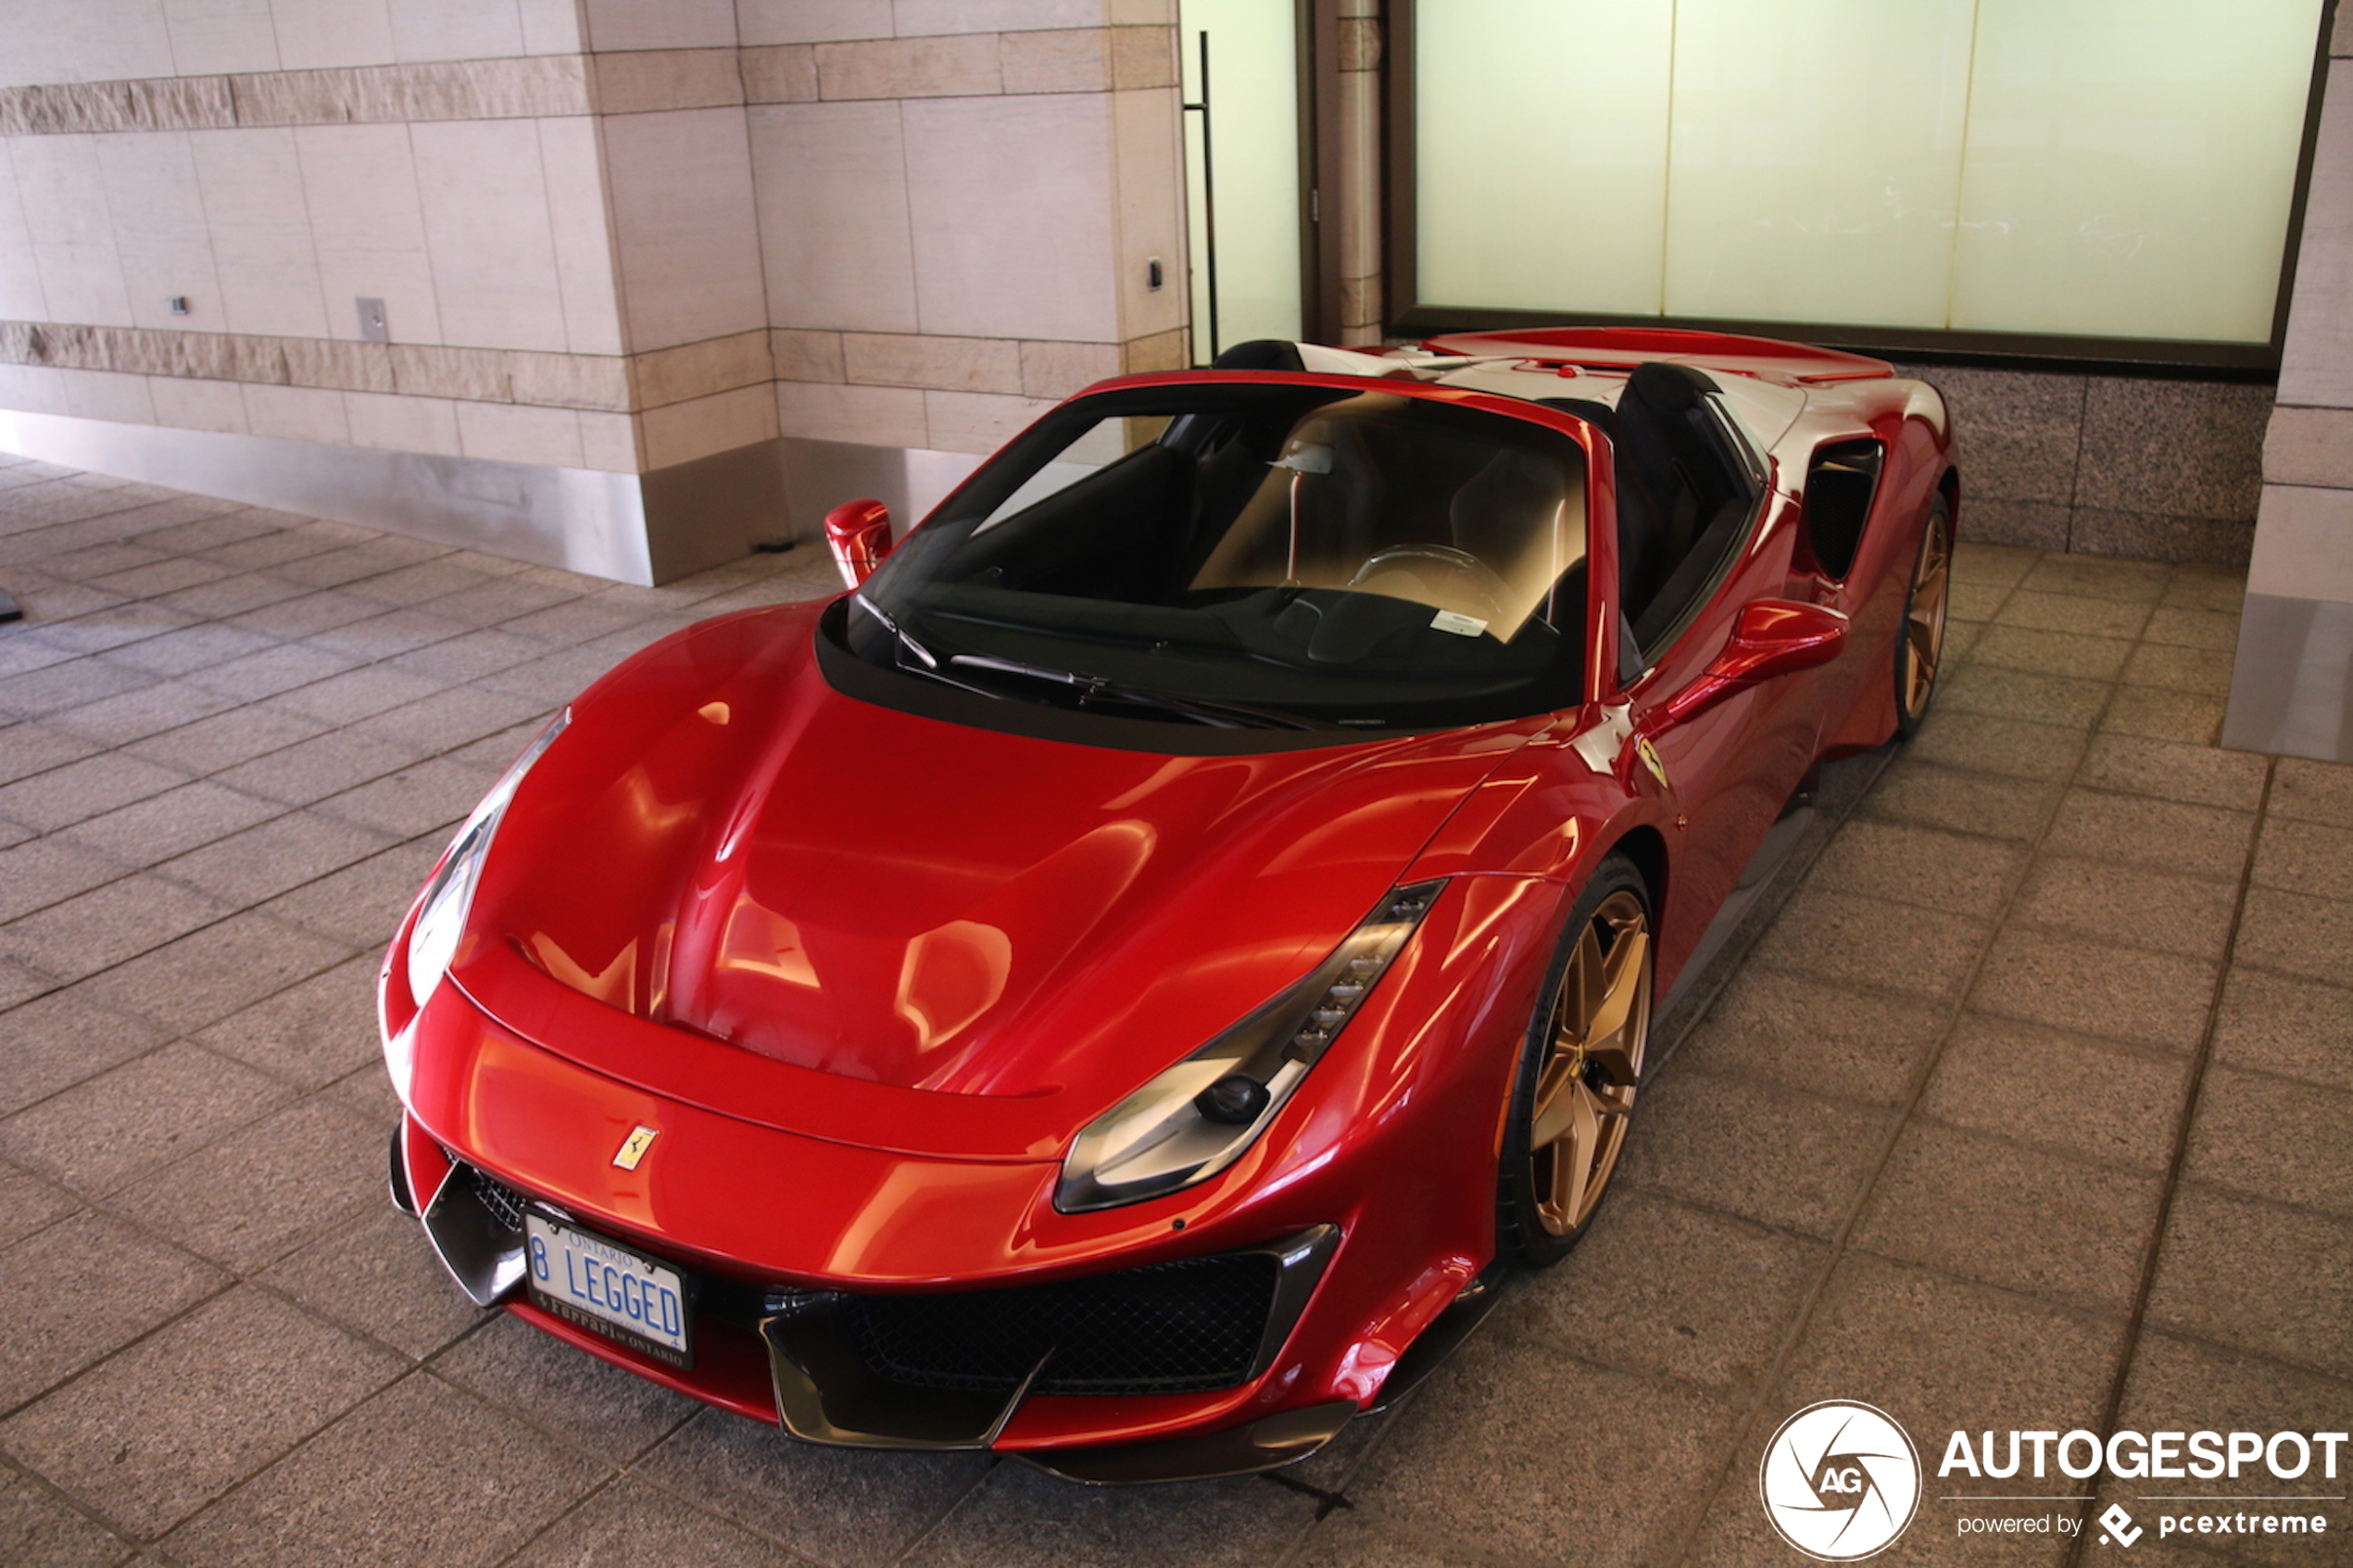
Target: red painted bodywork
(867, 973)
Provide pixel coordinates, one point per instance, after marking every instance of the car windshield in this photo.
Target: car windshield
(1250, 556)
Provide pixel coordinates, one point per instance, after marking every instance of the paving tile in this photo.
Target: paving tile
(115, 1127)
(2206, 671)
(115, 721)
(2312, 792)
(2272, 1024)
(367, 1090)
(2194, 587)
(378, 633)
(2005, 1215)
(2257, 1276)
(281, 854)
(40, 1530)
(2178, 1385)
(42, 871)
(452, 718)
(2130, 905)
(2050, 653)
(2074, 614)
(2273, 1138)
(314, 617)
(414, 584)
(2033, 696)
(2293, 934)
(1961, 802)
(82, 1288)
(312, 1032)
(73, 685)
(119, 626)
(204, 976)
(2199, 774)
(2098, 577)
(1960, 872)
(1984, 744)
(376, 1274)
(491, 603)
(2069, 1093)
(1347, 1539)
(219, 523)
(556, 679)
(432, 796)
(34, 748)
(29, 1204)
(576, 620)
(96, 930)
(236, 595)
(19, 983)
(239, 735)
(1660, 1288)
(1443, 1468)
(274, 670)
(248, 1199)
(2193, 628)
(70, 794)
(2310, 858)
(1835, 936)
(1783, 1157)
(632, 1522)
(198, 646)
(2094, 988)
(323, 765)
(160, 577)
(142, 1440)
(362, 905)
(1815, 1035)
(163, 825)
(419, 1474)
(831, 1505)
(2164, 835)
(58, 1040)
(456, 660)
(612, 1414)
(355, 695)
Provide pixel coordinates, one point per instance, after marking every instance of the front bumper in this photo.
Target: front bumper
(934, 1370)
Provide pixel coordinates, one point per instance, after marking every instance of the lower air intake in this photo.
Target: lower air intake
(1168, 1328)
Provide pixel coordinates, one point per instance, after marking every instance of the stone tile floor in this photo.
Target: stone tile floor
(2033, 1109)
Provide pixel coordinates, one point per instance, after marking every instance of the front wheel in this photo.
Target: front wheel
(1580, 1065)
(1921, 650)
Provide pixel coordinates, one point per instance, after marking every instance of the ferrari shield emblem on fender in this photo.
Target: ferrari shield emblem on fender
(632, 1148)
(1649, 754)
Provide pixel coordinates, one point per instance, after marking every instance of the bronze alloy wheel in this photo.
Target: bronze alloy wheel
(1922, 652)
(1579, 1074)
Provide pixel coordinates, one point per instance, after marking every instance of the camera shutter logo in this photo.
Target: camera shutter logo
(1839, 1481)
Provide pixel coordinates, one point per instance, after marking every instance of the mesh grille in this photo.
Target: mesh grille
(503, 1201)
(1169, 1328)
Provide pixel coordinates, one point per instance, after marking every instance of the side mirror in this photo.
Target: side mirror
(859, 535)
(1773, 637)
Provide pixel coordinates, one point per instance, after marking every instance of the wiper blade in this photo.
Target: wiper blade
(905, 638)
(1099, 689)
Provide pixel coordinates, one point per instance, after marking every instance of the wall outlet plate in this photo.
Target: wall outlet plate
(374, 328)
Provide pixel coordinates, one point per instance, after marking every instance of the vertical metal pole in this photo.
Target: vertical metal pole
(1208, 193)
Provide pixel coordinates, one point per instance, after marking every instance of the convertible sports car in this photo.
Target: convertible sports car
(1119, 986)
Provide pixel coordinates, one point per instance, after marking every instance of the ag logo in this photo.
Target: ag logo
(1839, 1481)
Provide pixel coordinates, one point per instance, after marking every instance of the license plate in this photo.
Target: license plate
(602, 1286)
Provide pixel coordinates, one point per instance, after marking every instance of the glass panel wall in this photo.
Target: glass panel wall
(2081, 168)
(1244, 142)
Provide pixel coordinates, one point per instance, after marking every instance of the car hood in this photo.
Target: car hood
(724, 844)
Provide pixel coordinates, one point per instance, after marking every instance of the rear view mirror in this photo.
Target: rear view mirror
(1773, 637)
(859, 535)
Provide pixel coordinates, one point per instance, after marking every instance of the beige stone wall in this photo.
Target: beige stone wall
(616, 234)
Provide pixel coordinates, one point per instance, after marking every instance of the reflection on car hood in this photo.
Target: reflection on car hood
(723, 843)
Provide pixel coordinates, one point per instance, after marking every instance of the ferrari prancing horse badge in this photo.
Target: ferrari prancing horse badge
(632, 1148)
(1649, 754)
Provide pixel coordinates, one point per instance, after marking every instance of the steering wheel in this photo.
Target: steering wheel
(1441, 568)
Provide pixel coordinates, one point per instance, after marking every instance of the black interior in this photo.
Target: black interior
(1840, 483)
(1684, 501)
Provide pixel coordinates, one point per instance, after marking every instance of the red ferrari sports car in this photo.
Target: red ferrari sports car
(1120, 984)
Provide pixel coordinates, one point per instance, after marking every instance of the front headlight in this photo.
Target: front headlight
(441, 913)
(1197, 1117)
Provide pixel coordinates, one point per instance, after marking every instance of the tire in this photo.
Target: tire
(1564, 1127)
(1919, 640)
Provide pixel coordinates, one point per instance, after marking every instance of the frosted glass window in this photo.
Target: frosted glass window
(1541, 151)
(1254, 115)
(2082, 167)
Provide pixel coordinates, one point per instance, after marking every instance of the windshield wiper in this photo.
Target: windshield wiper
(1098, 689)
(906, 639)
